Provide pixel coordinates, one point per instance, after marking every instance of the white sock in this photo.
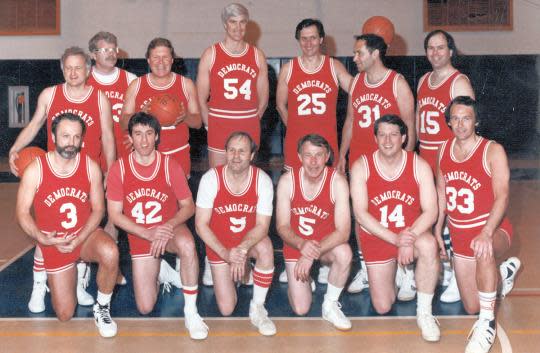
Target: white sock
(103, 299)
(487, 305)
(332, 292)
(423, 302)
(190, 298)
(40, 276)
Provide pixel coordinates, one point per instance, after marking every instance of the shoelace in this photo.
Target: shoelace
(103, 312)
(481, 334)
(167, 286)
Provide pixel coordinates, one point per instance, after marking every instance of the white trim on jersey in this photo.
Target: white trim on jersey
(88, 173)
(317, 69)
(233, 114)
(184, 89)
(49, 103)
(332, 187)
(175, 150)
(471, 153)
(243, 192)
(157, 88)
(75, 100)
(68, 175)
(212, 58)
(40, 179)
(395, 83)
(382, 262)
(293, 187)
(415, 168)
(167, 174)
(452, 96)
(233, 55)
(434, 87)
(398, 174)
(122, 169)
(257, 57)
(333, 71)
(289, 72)
(140, 177)
(366, 166)
(138, 82)
(377, 84)
(421, 81)
(485, 159)
(319, 187)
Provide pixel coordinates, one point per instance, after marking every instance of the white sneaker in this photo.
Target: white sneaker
(359, 282)
(283, 277)
(429, 325)
(259, 318)
(195, 325)
(407, 290)
(207, 274)
(331, 312)
(322, 278)
(168, 276)
(106, 326)
(36, 304)
(482, 336)
(83, 279)
(451, 293)
(508, 270)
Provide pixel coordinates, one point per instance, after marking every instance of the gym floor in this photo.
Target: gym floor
(163, 330)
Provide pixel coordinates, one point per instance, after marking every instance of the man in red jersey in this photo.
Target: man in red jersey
(375, 91)
(174, 140)
(111, 80)
(394, 200)
(74, 96)
(308, 89)
(234, 207)
(473, 188)
(65, 190)
(232, 82)
(435, 90)
(149, 198)
(313, 219)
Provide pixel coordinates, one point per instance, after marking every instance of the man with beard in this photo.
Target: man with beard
(65, 190)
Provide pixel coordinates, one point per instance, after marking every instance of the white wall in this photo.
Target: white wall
(193, 25)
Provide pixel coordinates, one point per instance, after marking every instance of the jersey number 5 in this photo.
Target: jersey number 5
(319, 107)
(305, 225)
(151, 216)
(429, 123)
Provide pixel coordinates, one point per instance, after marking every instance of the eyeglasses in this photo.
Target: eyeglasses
(106, 50)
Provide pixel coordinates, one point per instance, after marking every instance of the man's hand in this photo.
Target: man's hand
(302, 269)
(13, 156)
(310, 249)
(482, 245)
(405, 255)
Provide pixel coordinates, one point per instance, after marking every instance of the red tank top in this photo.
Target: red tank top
(233, 215)
(313, 218)
(431, 103)
(148, 201)
(62, 202)
(233, 83)
(311, 105)
(173, 138)
(469, 191)
(115, 93)
(369, 103)
(394, 202)
(88, 108)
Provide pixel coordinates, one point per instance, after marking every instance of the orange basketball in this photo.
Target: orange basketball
(166, 108)
(26, 156)
(380, 26)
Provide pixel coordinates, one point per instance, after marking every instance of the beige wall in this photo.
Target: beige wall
(193, 25)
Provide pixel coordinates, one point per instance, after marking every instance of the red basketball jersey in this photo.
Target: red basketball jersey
(469, 192)
(234, 214)
(369, 103)
(62, 202)
(172, 138)
(431, 104)
(88, 108)
(313, 218)
(311, 106)
(394, 202)
(148, 201)
(233, 83)
(115, 93)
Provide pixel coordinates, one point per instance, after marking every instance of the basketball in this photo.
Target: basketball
(380, 26)
(26, 156)
(166, 108)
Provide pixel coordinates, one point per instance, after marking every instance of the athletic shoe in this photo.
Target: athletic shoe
(429, 325)
(451, 293)
(331, 312)
(283, 277)
(168, 276)
(195, 325)
(508, 270)
(207, 274)
(83, 279)
(359, 282)
(259, 318)
(177, 264)
(447, 273)
(313, 286)
(106, 326)
(36, 304)
(407, 290)
(482, 336)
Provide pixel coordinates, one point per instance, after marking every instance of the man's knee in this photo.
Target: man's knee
(382, 306)
(226, 307)
(426, 245)
(64, 313)
(264, 250)
(343, 254)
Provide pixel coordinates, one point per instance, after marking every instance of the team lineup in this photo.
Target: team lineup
(115, 163)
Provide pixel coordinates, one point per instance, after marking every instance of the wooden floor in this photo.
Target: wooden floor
(518, 314)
